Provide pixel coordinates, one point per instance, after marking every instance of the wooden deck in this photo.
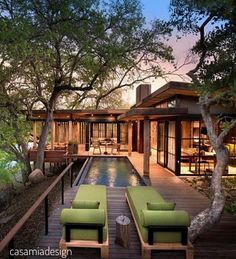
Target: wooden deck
(218, 243)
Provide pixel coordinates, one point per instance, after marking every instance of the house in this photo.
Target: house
(165, 124)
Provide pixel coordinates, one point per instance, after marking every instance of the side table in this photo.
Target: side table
(122, 231)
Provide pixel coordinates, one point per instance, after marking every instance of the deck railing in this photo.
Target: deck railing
(8, 240)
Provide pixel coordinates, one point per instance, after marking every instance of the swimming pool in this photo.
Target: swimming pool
(113, 172)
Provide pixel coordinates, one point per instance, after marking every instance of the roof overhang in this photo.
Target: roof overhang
(167, 91)
(78, 114)
(151, 113)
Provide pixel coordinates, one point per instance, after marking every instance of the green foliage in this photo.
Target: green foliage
(231, 207)
(216, 48)
(76, 45)
(8, 167)
(9, 126)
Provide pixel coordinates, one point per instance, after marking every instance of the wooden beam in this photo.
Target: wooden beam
(129, 138)
(35, 133)
(146, 155)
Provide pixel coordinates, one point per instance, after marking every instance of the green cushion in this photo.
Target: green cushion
(83, 216)
(138, 197)
(85, 204)
(91, 193)
(160, 206)
(165, 218)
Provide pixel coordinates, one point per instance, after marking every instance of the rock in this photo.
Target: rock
(36, 176)
(200, 183)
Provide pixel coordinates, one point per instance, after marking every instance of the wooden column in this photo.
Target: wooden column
(146, 155)
(35, 133)
(57, 127)
(140, 136)
(129, 138)
(78, 133)
(52, 133)
(87, 138)
(70, 131)
(118, 132)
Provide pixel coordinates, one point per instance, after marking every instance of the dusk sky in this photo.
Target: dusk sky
(156, 9)
(160, 9)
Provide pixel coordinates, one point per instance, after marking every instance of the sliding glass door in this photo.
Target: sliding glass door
(161, 145)
(166, 146)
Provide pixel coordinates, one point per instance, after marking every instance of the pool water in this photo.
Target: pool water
(113, 172)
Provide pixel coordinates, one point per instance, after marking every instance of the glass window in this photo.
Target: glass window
(171, 145)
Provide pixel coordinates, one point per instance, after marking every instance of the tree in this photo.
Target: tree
(14, 135)
(214, 78)
(73, 45)
(15, 130)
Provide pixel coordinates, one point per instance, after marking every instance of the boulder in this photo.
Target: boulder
(36, 176)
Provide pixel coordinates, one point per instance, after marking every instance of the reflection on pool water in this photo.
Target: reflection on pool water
(113, 172)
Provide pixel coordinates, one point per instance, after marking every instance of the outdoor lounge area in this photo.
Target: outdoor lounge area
(118, 129)
(172, 189)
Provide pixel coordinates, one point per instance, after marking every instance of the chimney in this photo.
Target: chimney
(142, 91)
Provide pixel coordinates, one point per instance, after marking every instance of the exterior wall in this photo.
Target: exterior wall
(193, 107)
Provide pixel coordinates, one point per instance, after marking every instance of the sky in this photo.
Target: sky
(155, 8)
(160, 9)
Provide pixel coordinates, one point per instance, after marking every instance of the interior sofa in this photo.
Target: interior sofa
(159, 226)
(85, 224)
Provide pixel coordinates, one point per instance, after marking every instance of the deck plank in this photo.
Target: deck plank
(220, 242)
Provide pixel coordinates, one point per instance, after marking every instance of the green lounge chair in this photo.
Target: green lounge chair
(159, 226)
(86, 223)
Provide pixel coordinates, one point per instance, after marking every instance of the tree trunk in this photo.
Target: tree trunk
(42, 140)
(26, 161)
(206, 219)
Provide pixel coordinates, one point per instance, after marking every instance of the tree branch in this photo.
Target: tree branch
(203, 46)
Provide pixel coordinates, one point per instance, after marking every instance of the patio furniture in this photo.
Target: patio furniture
(115, 146)
(86, 223)
(96, 145)
(122, 231)
(159, 226)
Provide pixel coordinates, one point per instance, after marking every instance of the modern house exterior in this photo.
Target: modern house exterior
(165, 125)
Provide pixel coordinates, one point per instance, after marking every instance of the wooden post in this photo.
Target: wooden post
(118, 132)
(52, 134)
(70, 131)
(35, 133)
(78, 135)
(87, 137)
(122, 231)
(129, 138)
(146, 155)
(140, 136)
